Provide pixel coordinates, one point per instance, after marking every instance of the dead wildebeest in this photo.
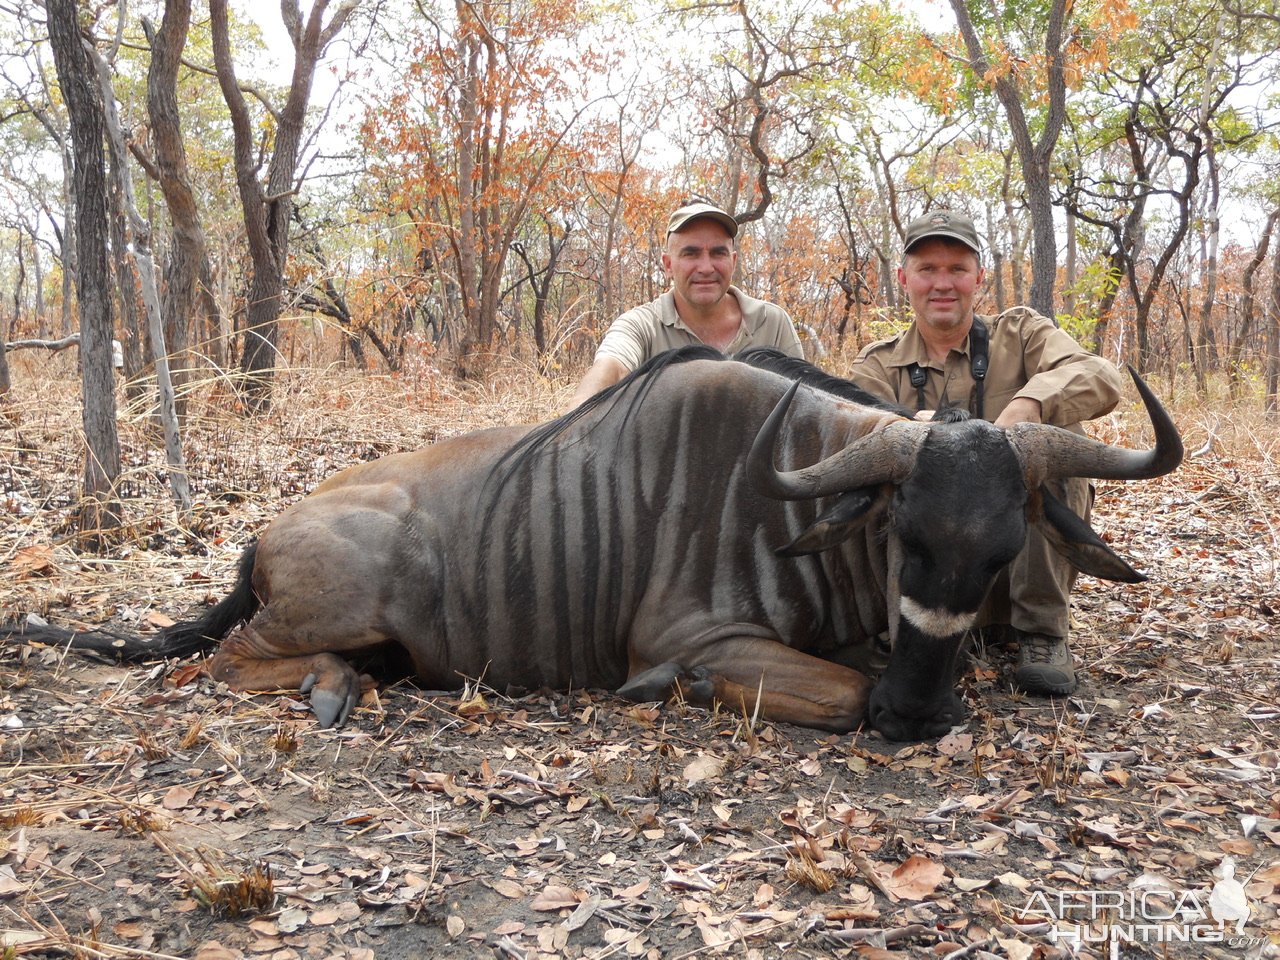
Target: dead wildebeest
(702, 524)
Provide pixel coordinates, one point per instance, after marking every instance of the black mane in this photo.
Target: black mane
(793, 368)
(646, 374)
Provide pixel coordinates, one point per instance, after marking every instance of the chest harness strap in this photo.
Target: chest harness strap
(978, 361)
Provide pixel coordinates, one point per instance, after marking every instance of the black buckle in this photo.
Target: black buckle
(978, 341)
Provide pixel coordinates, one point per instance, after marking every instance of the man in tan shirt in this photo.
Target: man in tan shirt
(702, 305)
(1012, 367)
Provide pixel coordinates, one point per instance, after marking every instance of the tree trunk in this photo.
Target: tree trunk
(1248, 303)
(138, 243)
(467, 243)
(67, 239)
(1015, 239)
(997, 258)
(1069, 297)
(42, 322)
(132, 332)
(1206, 346)
(100, 510)
(188, 256)
(214, 334)
(4, 352)
(1036, 156)
(1102, 308)
(268, 212)
(1272, 374)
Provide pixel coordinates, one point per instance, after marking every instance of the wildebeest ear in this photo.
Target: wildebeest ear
(842, 519)
(1076, 540)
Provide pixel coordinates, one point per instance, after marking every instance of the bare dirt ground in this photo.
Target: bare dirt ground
(147, 813)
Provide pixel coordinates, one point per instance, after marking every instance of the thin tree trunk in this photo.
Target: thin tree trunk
(139, 246)
(267, 212)
(183, 290)
(1102, 309)
(1248, 303)
(467, 244)
(997, 258)
(42, 321)
(100, 510)
(1069, 296)
(1015, 239)
(1272, 375)
(19, 280)
(4, 353)
(1034, 156)
(1206, 346)
(132, 331)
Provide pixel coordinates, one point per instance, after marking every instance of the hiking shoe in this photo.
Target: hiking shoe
(1044, 664)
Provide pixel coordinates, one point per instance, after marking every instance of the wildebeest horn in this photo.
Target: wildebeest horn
(885, 455)
(1051, 452)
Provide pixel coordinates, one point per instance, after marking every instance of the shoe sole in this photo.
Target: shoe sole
(1031, 682)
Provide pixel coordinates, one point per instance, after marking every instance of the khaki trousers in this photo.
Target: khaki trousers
(1033, 594)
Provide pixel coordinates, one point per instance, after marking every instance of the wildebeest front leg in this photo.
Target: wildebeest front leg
(247, 662)
(790, 686)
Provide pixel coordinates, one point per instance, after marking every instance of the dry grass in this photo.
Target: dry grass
(243, 470)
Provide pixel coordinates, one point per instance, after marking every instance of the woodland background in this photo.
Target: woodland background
(419, 226)
(445, 186)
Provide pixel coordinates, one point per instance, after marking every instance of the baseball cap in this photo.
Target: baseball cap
(700, 210)
(942, 223)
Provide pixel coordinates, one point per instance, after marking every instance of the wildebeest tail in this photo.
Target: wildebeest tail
(179, 640)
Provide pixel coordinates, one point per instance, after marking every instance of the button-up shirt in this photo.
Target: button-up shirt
(646, 331)
(1029, 357)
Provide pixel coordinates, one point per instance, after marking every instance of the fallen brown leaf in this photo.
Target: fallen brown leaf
(555, 897)
(916, 878)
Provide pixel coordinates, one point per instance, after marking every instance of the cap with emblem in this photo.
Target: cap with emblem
(942, 223)
(700, 210)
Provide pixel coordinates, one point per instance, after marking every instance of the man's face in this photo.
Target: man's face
(941, 278)
(700, 260)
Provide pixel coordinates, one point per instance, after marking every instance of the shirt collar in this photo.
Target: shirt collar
(749, 307)
(911, 348)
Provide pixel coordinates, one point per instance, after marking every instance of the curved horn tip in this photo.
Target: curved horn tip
(1167, 435)
(1144, 390)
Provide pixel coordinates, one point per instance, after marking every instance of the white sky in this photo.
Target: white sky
(267, 16)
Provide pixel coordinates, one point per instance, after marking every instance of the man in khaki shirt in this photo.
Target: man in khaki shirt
(1034, 372)
(702, 305)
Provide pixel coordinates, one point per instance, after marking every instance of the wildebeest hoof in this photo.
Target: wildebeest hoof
(909, 727)
(656, 683)
(330, 707)
(699, 685)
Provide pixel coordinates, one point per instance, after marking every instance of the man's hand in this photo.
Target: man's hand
(1019, 410)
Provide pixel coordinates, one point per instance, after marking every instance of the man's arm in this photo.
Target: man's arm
(605, 372)
(1070, 384)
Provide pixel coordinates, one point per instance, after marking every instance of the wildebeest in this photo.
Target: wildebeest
(702, 524)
